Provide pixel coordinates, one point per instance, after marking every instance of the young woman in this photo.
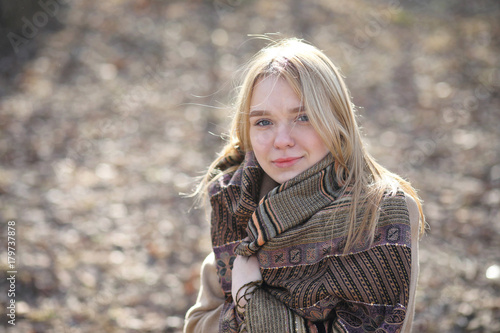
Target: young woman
(309, 233)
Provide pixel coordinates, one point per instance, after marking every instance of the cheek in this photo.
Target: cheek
(260, 140)
(316, 143)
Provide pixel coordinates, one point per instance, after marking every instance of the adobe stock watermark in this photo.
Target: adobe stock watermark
(31, 26)
(455, 115)
(127, 101)
(378, 20)
(11, 272)
(226, 6)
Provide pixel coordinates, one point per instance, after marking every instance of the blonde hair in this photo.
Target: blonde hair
(318, 82)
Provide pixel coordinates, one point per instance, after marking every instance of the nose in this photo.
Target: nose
(284, 137)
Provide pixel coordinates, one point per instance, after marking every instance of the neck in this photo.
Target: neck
(267, 185)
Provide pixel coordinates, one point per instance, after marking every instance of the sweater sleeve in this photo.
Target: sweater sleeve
(414, 221)
(203, 316)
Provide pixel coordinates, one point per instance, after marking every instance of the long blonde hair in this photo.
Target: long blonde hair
(318, 82)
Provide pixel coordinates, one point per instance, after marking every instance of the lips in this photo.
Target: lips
(285, 162)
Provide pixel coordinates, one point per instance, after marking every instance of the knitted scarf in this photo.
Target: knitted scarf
(298, 231)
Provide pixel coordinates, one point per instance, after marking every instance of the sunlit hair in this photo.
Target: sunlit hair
(319, 84)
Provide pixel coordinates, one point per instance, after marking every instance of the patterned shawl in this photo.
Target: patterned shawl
(298, 232)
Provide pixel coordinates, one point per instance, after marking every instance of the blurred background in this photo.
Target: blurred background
(110, 109)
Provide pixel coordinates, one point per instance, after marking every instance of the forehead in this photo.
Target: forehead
(273, 92)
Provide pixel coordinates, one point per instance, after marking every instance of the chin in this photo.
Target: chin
(283, 178)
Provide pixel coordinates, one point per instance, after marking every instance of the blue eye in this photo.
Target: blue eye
(263, 122)
(303, 117)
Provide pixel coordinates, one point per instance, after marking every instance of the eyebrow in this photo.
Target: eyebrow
(259, 113)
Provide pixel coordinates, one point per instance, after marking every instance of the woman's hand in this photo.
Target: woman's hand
(245, 270)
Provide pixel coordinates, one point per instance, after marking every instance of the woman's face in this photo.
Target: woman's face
(283, 140)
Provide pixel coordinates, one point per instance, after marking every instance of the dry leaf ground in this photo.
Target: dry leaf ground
(106, 115)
